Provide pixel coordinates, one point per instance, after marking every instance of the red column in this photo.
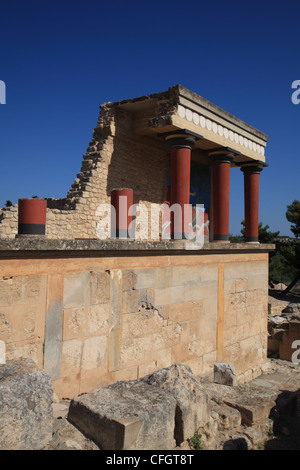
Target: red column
(251, 195)
(221, 192)
(181, 146)
(32, 216)
(122, 201)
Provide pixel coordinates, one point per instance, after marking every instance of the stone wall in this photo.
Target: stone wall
(90, 319)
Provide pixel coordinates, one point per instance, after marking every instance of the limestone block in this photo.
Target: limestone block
(251, 353)
(143, 349)
(199, 291)
(127, 374)
(224, 374)
(256, 296)
(253, 402)
(32, 350)
(145, 278)
(94, 353)
(147, 368)
(163, 277)
(137, 300)
(129, 280)
(125, 416)
(71, 357)
(228, 417)
(184, 311)
(171, 295)
(74, 323)
(98, 319)
(21, 289)
(89, 320)
(192, 404)
(145, 323)
(100, 287)
(208, 272)
(260, 282)
(76, 289)
(235, 270)
(20, 322)
(241, 285)
(25, 406)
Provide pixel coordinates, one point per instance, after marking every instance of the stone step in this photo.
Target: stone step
(253, 402)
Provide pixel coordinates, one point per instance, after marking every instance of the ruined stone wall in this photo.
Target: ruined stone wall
(115, 158)
(91, 320)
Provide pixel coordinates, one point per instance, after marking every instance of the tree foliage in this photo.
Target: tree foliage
(264, 234)
(293, 216)
(284, 261)
(290, 250)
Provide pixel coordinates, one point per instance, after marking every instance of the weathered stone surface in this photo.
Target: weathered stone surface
(253, 403)
(224, 374)
(292, 311)
(228, 417)
(90, 244)
(126, 415)
(157, 412)
(192, 405)
(292, 307)
(283, 330)
(25, 406)
(278, 321)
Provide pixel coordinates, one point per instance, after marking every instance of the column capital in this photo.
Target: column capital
(252, 167)
(222, 155)
(181, 138)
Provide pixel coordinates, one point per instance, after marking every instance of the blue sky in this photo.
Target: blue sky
(61, 59)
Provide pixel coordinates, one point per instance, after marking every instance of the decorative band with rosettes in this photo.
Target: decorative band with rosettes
(212, 126)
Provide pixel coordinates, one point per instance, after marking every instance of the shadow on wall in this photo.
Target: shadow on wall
(142, 166)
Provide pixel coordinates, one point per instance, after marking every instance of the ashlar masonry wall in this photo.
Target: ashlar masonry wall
(90, 320)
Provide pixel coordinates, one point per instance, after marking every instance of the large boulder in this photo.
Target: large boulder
(26, 417)
(192, 404)
(126, 416)
(156, 412)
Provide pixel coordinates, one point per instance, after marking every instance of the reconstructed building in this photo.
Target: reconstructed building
(92, 310)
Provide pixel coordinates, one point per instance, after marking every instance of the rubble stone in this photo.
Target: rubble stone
(254, 403)
(224, 374)
(157, 412)
(192, 409)
(25, 406)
